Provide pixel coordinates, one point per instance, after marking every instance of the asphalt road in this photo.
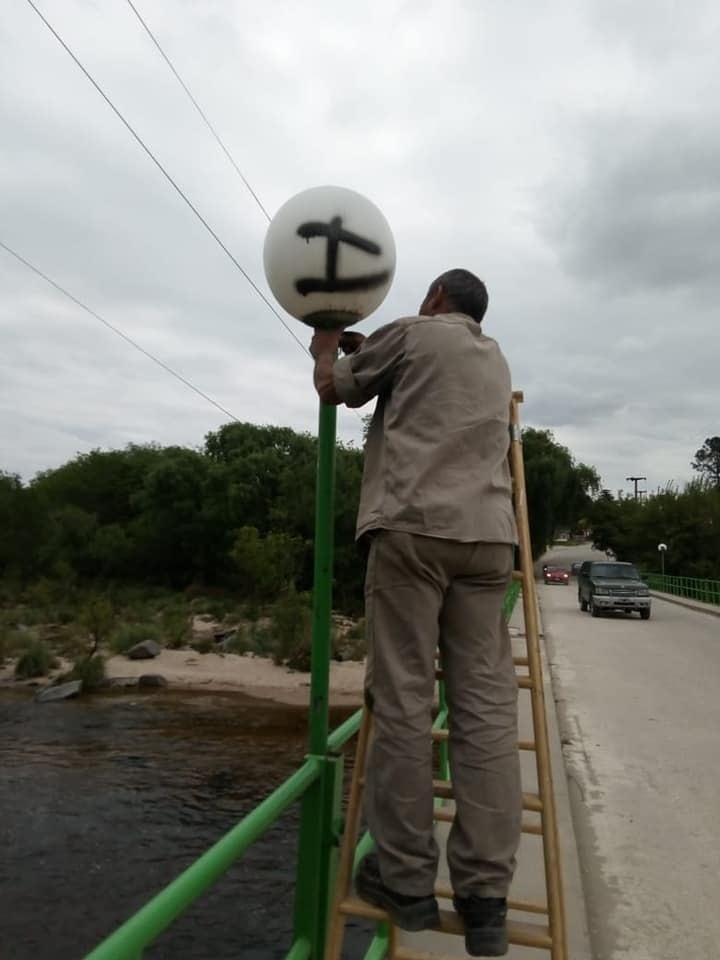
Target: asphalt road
(639, 710)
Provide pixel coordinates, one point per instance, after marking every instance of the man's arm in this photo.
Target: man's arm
(366, 371)
(324, 347)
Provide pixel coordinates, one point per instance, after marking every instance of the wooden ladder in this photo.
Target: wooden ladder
(548, 930)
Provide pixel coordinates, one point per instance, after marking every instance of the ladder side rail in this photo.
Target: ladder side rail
(551, 849)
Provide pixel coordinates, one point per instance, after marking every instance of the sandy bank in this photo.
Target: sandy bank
(252, 676)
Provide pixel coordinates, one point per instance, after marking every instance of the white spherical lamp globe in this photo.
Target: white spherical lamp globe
(329, 257)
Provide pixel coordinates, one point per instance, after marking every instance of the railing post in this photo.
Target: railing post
(318, 850)
(321, 807)
(444, 748)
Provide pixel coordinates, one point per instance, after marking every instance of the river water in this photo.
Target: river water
(104, 800)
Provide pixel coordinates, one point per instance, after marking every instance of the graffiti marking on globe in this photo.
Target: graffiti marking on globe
(329, 257)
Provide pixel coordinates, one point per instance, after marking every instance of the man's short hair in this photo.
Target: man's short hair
(466, 291)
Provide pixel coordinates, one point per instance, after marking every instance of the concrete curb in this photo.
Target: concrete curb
(578, 932)
(578, 936)
(688, 603)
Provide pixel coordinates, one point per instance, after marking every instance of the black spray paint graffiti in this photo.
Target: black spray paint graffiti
(331, 283)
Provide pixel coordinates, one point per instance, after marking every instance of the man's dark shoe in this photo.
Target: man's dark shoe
(409, 913)
(485, 920)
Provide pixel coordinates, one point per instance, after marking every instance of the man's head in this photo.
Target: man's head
(456, 291)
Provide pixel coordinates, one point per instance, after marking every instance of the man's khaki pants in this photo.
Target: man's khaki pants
(422, 593)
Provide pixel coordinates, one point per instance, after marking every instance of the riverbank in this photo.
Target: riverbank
(251, 675)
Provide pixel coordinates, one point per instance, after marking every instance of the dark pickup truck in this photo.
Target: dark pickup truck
(610, 586)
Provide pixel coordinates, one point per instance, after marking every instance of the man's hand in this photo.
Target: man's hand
(324, 348)
(325, 342)
(350, 341)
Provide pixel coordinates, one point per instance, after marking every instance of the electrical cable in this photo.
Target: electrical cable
(136, 136)
(197, 106)
(116, 330)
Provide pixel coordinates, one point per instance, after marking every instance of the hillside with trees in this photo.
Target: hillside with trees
(118, 545)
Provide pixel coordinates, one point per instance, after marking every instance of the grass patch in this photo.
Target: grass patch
(90, 672)
(37, 661)
(128, 634)
(175, 627)
(203, 645)
(291, 627)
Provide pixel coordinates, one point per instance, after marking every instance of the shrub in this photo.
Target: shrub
(242, 642)
(97, 618)
(354, 646)
(250, 638)
(261, 638)
(90, 672)
(203, 645)
(129, 634)
(215, 607)
(291, 621)
(175, 628)
(37, 661)
(11, 639)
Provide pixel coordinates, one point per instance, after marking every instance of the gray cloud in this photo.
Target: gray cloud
(565, 153)
(647, 210)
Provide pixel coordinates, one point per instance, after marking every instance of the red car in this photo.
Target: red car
(556, 575)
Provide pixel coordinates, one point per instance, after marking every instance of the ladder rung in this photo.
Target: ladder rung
(520, 934)
(517, 575)
(524, 906)
(443, 735)
(443, 815)
(444, 790)
(521, 661)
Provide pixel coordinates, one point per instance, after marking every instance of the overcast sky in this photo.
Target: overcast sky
(567, 152)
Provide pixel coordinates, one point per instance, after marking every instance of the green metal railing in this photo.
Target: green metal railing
(317, 784)
(129, 940)
(706, 591)
(513, 592)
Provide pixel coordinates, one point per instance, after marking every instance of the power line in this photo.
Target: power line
(197, 106)
(116, 330)
(138, 139)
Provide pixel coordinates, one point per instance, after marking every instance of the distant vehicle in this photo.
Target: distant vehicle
(605, 587)
(556, 575)
(575, 568)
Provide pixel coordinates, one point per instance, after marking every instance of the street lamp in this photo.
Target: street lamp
(662, 548)
(329, 259)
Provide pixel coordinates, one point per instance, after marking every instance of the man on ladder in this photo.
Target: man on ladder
(436, 506)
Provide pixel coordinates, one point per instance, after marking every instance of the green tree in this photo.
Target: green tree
(688, 521)
(23, 524)
(264, 566)
(707, 461)
(559, 491)
(170, 534)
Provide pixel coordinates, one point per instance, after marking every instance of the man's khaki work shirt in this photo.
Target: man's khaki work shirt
(436, 451)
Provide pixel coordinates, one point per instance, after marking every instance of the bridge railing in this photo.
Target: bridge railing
(706, 591)
(318, 785)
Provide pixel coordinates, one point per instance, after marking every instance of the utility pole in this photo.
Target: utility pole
(635, 480)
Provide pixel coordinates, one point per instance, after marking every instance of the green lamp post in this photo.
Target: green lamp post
(329, 259)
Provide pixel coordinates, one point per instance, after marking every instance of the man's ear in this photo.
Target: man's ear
(437, 299)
